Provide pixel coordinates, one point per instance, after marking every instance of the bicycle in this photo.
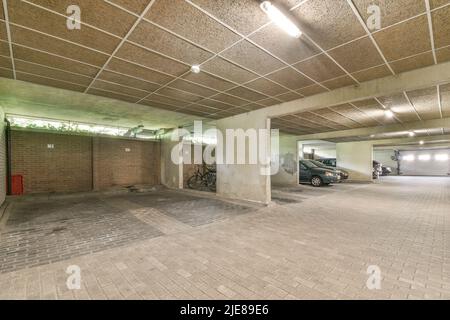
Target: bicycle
(204, 179)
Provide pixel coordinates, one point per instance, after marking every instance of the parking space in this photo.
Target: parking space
(45, 231)
(320, 247)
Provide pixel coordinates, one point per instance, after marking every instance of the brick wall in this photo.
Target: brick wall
(2, 158)
(65, 168)
(120, 162)
(79, 163)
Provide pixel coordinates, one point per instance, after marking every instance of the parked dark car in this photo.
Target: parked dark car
(315, 175)
(343, 175)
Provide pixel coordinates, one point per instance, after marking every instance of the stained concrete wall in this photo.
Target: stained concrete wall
(171, 172)
(287, 157)
(356, 157)
(243, 181)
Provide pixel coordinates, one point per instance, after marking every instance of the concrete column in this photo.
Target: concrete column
(356, 157)
(171, 173)
(287, 157)
(243, 181)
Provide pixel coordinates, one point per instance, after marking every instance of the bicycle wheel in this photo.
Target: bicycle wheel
(195, 182)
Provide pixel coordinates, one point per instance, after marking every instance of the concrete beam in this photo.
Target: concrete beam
(411, 80)
(417, 125)
(414, 140)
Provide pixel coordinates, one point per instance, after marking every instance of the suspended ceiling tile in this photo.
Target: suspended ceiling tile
(49, 82)
(339, 82)
(400, 106)
(180, 95)
(411, 63)
(391, 11)
(441, 27)
(193, 88)
(322, 121)
(230, 100)
(108, 86)
(437, 3)
(290, 78)
(357, 55)
(209, 81)
(4, 48)
(3, 33)
(312, 90)
(266, 86)
(157, 98)
(189, 22)
(158, 105)
(374, 110)
(112, 95)
(336, 117)
(136, 6)
(38, 19)
(320, 68)
(426, 102)
(289, 96)
(53, 61)
(51, 73)
(284, 46)
(152, 60)
(5, 63)
(169, 45)
(96, 13)
(216, 104)
(268, 102)
(443, 55)
(6, 73)
(245, 16)
(138, 71)
(355, 114)
(246, 94)
(228, 70)
(128, 81)
(246, 54)
(48, 44)
(328, 22)
(405, 39)
(372, 73)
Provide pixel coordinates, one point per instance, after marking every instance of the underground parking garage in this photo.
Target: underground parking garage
(224, 150)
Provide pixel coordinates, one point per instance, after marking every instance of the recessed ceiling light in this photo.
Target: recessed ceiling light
(422, 142)
(388, 113)
(195, 69)
(280, 19)
(411, 133)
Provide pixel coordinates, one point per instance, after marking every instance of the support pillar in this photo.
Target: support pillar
(244, 181)
(356, 157)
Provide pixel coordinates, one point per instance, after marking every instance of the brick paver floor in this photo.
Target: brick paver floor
(318, 244)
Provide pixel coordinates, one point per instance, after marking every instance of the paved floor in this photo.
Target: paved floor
(311, 244)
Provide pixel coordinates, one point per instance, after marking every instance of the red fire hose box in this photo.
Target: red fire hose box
(17, 185)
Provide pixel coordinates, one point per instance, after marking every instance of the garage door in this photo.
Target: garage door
(425, 162)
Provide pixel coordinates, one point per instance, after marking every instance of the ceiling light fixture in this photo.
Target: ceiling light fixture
(280, 19)
(422, 142)
(195, 69)
(411, 133)
(389, 113)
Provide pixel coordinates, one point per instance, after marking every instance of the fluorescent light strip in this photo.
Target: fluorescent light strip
(280, 19)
